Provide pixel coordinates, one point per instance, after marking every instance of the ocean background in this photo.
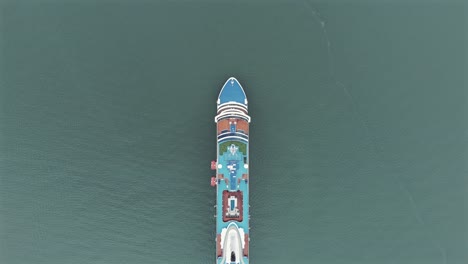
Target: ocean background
(359, 133)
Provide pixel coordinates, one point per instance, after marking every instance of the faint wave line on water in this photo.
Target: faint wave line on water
(331, 68)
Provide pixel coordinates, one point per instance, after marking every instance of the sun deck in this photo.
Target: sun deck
(232, 192)
(233, 177)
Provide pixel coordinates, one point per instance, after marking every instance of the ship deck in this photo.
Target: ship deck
(233, 176)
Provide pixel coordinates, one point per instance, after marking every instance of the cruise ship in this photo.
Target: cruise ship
(232, 175)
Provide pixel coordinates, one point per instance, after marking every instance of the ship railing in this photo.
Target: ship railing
(227, 105)
(232, 113)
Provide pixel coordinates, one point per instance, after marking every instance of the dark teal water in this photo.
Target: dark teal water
(358, 141)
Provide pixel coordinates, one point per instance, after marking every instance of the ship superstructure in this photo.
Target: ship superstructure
(232, 175)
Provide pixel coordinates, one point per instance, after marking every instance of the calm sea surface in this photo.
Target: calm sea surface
(359, 138)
